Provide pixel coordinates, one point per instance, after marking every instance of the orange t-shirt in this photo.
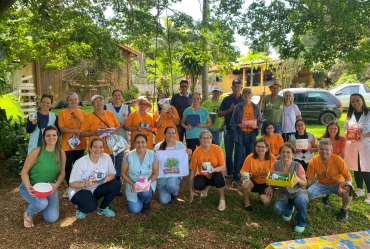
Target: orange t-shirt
(213, 155)
(133, 120)
(258, 168)
(167, 120)
(248, 114)
(275, 143)
(92, 123)
(72, 120)
(334, 172)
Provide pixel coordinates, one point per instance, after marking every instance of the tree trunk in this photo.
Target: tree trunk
(205, 48)
(5, 4)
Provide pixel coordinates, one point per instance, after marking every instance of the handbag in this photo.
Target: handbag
(116, 143)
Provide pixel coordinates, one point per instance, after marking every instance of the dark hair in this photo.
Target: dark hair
(94, 140)
(141, 135)
(268, 124)
(296, 132)
(327, 135)
(184, 81)
(267, 154)
(350, 111)
(289, 145)
(117, 90)
(163, 145)
(57, 150)
(47, 96)
(158, 106)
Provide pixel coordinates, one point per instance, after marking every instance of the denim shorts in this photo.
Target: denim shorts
(317, 189)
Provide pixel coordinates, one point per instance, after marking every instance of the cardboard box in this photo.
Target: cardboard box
(279, 183)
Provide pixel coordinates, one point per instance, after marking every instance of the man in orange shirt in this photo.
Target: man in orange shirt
(331, 171)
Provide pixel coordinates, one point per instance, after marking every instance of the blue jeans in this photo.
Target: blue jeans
(136, 207)
(242, 151)
(229, 148)
(278, 128)
(171, 188)
(117, 162)
(216, 136)
(317, 189)
(49, 206)
(282, 208)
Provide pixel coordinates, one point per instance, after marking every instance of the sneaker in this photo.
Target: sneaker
(107, 212)
(249, 209)
(80, 215)
(359, 192)
(288, 218)
(235, 184)
(173, 199)
(299, 229)
(343, 215)
(221, 205)
(367, 200)
(146, 207)
(65, 195)
(325, 201)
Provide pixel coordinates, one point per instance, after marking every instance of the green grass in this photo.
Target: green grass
(9, 102)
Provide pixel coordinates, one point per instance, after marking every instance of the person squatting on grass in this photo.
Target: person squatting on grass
(258, 164)
(331, 172)
(93, 176)
(207, 154)
(138, 163)
(45, 163)
(168, 188)
(288, 198)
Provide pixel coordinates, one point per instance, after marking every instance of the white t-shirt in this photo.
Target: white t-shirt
(289, 117)
(84, 169)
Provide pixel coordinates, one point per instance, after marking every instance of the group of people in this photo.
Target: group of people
(100, 173)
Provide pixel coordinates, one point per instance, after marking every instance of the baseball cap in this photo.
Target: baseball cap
(216, 88)
(96, 96)
(246, 89)
(236, 81)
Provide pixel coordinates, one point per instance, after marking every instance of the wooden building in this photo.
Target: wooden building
(86, 79)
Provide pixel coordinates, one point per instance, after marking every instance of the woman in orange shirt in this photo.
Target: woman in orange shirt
(275, 140)
(164, 117)
(332, 133)
(258, 165)
(70, 122)
(141, 122)
(207, 165)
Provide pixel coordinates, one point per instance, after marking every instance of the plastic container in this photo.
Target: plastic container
(281, 183)
(42, 189)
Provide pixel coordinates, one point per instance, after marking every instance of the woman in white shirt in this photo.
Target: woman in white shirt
(358, 117)
(93, 177)
(291, 113)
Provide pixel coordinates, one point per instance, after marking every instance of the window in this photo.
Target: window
(349, 90)
(317, 97)
(299, 97)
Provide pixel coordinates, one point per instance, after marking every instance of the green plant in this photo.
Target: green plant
(132, 93)
(164, 86)
(13, 142)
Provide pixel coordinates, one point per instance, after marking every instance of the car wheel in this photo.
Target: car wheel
(326, 118)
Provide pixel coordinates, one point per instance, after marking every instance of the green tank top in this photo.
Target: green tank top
(45, 168)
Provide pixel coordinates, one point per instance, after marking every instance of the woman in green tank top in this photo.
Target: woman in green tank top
(44, 164)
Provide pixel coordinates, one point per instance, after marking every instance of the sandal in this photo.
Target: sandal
(28, 222)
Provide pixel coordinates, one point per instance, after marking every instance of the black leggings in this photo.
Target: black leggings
(201, 181)
(192, 144)
(87, 202)
(71, 157)
(360, 177)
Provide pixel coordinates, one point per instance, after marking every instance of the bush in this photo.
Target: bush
(132, 93)
(13, 142)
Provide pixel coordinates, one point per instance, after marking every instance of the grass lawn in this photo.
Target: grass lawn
(199, 225)
(9, 102)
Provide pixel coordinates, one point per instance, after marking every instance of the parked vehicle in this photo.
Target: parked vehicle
(316, 104)
(344, 91)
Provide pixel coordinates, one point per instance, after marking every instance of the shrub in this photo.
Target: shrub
(132, 93)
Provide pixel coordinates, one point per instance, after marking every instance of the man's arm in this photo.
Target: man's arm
(309, 182)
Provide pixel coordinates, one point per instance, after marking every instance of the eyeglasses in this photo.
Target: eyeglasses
(206, 138)
(98, 101)
(184, 86)
(195, 99)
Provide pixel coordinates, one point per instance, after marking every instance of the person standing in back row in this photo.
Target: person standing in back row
(226, 110)
(213, 105)
(181, 101)
(272, 108)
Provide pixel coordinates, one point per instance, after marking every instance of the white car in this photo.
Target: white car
(344, 91)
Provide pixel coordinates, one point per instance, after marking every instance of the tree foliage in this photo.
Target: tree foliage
(340, 29)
